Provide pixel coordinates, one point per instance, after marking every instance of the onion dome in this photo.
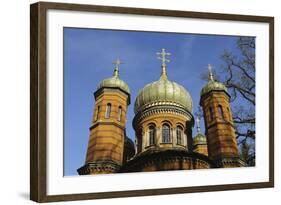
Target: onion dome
(163, 92)
(212, 85)
(199, 138)
(115, 81)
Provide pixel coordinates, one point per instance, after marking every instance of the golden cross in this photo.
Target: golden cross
(163, 57)
(116, 69)
(211, 76)
(198, 124)
(117, 63)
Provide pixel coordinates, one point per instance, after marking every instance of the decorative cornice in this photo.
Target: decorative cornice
(99, 91)
(229, 161)
(106, 122)
(159, 109)
(100, 166)
(214, 123)
(168, 156)
(160, 103)
(203, 97)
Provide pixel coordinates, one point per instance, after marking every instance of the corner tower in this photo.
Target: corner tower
(222, 143)
(107, 131)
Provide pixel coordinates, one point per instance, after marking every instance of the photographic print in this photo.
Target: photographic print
(154, 101)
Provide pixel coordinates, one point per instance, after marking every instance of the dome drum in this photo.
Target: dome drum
(162, 109)
(165, 130)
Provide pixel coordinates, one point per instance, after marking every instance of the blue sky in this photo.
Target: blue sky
(88, 57)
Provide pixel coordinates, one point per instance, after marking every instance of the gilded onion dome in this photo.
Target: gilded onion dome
(212, 85)
(115, 81)
(199, 138)
(163, 92)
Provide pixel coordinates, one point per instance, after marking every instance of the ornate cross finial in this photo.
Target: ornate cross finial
(163, 56)
(211, 76)
(117, 63)
(198, 124)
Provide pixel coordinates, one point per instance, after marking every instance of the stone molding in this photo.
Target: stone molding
(161, 109)
(106, 166)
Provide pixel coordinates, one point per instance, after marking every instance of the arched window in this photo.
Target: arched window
(220, 111)
(97, 113)
(211, 113)
(179, 135)
(119, 113)
(108, 110)
(152, 134)
(166, 133)
(229, 114)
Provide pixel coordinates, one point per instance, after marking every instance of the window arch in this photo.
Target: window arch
(228, 113)
(211, 113)
(179, 135)
(108, 110)
(152, 134)
(166, 133)
(220, 112)
(97, 113)
(119, 113)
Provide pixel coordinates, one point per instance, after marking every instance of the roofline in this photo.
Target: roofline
(99, 90)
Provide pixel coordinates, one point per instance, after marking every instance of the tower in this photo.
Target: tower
(107, 131)
(200, 141)
(222, 144)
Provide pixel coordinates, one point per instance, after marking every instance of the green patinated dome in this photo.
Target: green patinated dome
(199, 139)
(213, 85)
(115, 81)
(163, 92)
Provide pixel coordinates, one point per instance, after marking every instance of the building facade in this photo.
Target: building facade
(163, 125)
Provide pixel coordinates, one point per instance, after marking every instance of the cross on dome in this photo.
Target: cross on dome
(117, 64)
(211, 76)
(163, 56)
(198, 124)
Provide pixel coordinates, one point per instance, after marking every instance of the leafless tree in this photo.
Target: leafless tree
(239, 77)
(246, 154)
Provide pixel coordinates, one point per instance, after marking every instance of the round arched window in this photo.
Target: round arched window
(119, 113)
(179, 135)
(152, 134)
(108, 110)
(166, 138)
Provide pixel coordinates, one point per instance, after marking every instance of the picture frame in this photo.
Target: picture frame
(39, 101)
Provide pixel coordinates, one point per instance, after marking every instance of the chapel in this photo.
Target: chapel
(163, 125)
